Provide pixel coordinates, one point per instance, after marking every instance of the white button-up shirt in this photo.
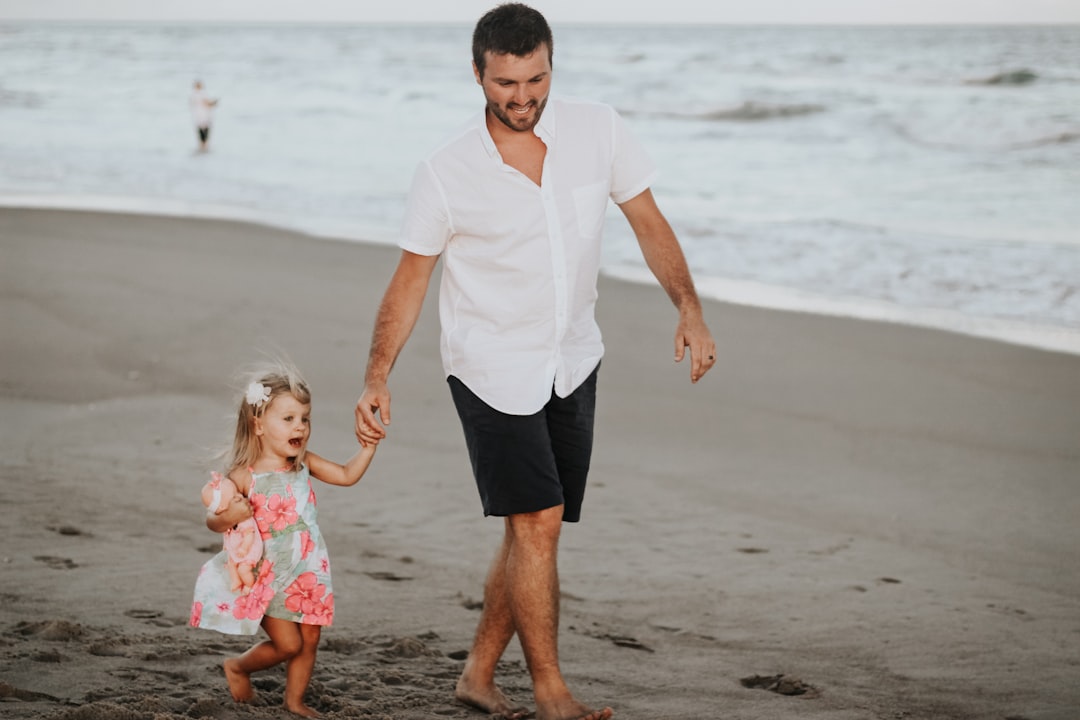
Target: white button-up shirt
(520, 261)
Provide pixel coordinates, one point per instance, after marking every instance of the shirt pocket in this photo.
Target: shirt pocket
(590, 204)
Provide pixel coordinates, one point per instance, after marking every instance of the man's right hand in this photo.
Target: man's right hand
(375, 399)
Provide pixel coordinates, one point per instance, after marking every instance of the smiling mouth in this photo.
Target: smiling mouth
(296, 443)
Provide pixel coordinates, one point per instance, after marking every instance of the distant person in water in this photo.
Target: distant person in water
(202, 114)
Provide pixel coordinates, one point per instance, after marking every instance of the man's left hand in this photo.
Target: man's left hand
(693, 333)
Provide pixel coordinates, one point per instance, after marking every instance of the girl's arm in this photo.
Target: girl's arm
(234, 513)
(348, 474)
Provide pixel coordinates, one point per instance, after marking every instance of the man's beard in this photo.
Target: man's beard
(518, 124)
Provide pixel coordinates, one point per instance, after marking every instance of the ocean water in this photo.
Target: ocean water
(926, 175)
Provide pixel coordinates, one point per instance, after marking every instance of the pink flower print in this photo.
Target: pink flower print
(266, 572)
(223, 607)
(306, 544)
(311, 495)
(304, 595)
(196, 614)
(276, 513)
(322, 613)
(325, 565)
(253, 605)
(258, 502)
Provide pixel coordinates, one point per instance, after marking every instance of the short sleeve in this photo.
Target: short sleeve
(426, 228)
(632, 170)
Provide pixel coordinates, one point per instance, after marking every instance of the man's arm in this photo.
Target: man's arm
(665, 259)
(400, 308)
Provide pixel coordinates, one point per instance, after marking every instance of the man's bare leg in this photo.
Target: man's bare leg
(532, 586)
(476, 686)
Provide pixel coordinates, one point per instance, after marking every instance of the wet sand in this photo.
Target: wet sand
(884, 516)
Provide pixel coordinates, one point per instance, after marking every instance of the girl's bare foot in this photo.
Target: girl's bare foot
(238, 680)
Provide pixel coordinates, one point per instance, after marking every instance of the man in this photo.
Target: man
(514, 203)
(202, 113)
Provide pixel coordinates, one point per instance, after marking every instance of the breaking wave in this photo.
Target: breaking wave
(749, 111)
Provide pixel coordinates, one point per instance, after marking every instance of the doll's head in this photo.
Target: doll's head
(261, 390)
(218, 493)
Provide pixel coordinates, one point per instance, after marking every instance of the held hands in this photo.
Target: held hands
(374, 399)
(694, 334)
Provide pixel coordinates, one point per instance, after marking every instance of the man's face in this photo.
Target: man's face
(516, 88)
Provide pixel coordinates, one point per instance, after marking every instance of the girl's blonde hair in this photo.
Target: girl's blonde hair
(277, 378)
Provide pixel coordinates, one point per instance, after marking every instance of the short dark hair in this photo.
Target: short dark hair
(510, 29)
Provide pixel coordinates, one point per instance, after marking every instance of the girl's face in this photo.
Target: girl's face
(283, 429)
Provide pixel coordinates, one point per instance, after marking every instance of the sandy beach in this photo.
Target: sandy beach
(885, 516)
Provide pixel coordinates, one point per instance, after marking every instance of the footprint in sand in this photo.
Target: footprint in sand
(408, 648)
(68, 530)
(154, 617)
(139, 614)
(342, 646)
(470, 604)
(625, 641)
(56, 563)
(112, 647)
(629, 642)
(781, 685)
(50, 630)
(389, 576)
(10, 692)
(48, 656)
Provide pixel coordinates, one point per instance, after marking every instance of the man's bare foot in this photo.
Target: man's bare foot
(238, 680)
(302, 710)
(570, 709)
(491, 700)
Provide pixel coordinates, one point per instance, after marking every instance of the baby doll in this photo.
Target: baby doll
(242, 542)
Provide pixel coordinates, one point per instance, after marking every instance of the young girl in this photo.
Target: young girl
(291, 597)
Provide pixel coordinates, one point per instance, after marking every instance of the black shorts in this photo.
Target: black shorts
(204, 133)
(527, 463)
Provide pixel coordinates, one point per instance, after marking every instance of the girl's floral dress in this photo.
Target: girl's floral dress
(292, 581)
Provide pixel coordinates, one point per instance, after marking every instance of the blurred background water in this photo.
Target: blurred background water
(928, 175)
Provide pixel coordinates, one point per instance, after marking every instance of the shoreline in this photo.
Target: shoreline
(1052, 338)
